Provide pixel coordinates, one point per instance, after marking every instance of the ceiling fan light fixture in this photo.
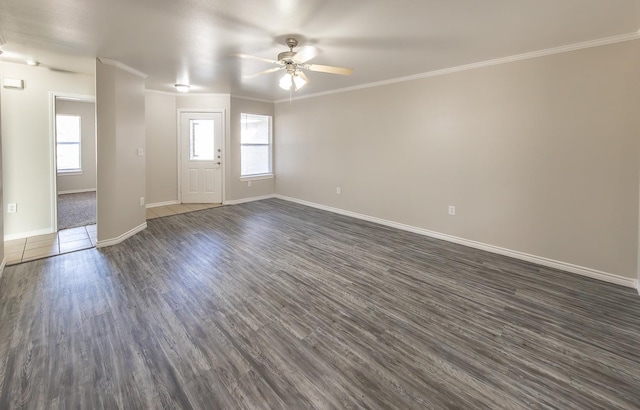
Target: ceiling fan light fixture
(182, 88)
(299, 81)
(286, 82)
(292, 80)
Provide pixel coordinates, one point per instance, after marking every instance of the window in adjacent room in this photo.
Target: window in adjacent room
(68, 143)
(255, 145)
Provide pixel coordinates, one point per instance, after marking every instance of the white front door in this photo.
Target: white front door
(201, 157)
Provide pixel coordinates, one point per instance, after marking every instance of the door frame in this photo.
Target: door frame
(53, 169)
(223, 139)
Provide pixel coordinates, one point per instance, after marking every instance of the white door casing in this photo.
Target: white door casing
(201, 157)
(53, 96)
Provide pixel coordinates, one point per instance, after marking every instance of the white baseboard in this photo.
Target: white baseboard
(165, 203)
(76, 191)
(28, 234)
(567, 267)
(2, 265)
(251, 199)
(126, 235)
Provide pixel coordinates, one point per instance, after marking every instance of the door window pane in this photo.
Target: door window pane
(201, 141)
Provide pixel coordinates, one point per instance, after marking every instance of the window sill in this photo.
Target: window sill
(256, 177)
(69, 173)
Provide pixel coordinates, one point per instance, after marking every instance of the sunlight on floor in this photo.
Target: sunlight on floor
(169, 210)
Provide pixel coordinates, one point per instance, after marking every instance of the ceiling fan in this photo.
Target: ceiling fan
(294, 62)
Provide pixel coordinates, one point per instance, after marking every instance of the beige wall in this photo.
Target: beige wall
(87, 113)
(162, 166)
(237, 189)
(210, 102)
(120, 106)
(28, 146)
(2, 261)
(162, 149)
(538, 156)
(161, 159)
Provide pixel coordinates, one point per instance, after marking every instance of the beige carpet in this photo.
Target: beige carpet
(76, 210)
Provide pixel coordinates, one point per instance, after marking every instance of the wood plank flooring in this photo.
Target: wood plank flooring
(275, 305)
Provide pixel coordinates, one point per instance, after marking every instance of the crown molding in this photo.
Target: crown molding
(240, 97)
(189, 94)
(123, 67)
(503, 60)
(148, 90)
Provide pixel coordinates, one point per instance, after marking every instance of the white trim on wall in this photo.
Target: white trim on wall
(165, 203)
(123, 67)
(76, 191)
(567, 267)
(250, 199)
(124, 236)
(190, 93)
(28, 234)
(240, 97)
(503, 60)
(53, 96)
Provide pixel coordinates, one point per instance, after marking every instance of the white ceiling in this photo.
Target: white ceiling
(193, 41)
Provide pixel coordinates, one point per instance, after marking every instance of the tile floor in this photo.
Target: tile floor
(75, 239)
(41, 246)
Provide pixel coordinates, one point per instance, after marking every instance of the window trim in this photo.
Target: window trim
(263, 175)
(70, 171)
(254, 177)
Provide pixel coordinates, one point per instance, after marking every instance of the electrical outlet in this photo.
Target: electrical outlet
(12, 208)
(141, 201)
(141, 152)
(452, 210)
(338, 190)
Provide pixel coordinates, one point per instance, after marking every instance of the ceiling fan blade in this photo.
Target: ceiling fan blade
(303, 76)
(256, 58)
(305, 54)
(329, 69)
(270, 70)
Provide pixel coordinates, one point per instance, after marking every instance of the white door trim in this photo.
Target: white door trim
(53, 174)
(223, 114)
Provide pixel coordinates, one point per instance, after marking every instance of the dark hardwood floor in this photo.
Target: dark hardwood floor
(274, 305)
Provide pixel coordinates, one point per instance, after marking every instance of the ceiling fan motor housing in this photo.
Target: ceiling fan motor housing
(286, 56)
(292, 42)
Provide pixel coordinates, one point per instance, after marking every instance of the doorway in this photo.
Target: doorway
(75, 171)
(201, 153)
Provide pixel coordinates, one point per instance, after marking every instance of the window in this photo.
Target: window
(68, 143)
(201, 145)
(255, 145)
